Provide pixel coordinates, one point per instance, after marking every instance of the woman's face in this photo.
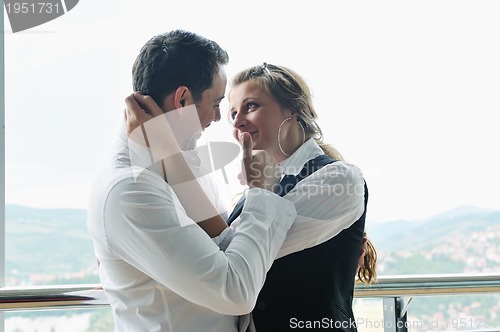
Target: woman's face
(253, 110)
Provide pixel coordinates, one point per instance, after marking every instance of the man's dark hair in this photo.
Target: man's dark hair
(177, 58)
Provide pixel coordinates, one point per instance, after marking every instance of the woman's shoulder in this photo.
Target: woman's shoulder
(339, 171)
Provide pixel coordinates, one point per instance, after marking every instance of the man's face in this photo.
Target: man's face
(208, 107)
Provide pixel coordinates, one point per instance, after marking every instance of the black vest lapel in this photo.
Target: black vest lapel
(237, 210)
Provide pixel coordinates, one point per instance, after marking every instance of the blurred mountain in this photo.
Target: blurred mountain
(53, 245)
(422, 234)
(46, 244)
(13, 212)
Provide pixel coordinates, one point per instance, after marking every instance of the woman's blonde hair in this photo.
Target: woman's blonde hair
(367, 272)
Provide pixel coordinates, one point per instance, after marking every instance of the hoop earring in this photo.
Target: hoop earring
(279, 134)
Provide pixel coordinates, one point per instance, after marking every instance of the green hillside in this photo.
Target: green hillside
(51, 242)
(53, 245)
(424, 234)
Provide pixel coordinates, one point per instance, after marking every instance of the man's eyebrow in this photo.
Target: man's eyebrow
(220, 98)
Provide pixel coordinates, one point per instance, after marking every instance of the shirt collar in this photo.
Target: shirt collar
(294, 164)
(140, 159)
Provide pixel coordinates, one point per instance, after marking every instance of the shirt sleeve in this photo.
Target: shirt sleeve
(224, 238)
(327, 202)
(146, 226)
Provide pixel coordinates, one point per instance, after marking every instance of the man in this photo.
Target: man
(160, 270)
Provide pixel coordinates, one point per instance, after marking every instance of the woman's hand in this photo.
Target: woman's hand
(259, 169)
(140, 109)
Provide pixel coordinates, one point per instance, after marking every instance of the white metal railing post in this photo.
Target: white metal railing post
(395, 315)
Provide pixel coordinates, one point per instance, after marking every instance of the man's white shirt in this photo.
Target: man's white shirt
(161, 271)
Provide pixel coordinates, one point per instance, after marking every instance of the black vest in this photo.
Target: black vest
(313, 287)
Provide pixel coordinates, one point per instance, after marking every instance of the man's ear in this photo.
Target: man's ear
(183, 97)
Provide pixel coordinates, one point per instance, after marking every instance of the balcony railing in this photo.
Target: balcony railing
(395, 291)
(75, 296)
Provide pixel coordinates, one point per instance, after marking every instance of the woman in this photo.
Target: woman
(274, 105)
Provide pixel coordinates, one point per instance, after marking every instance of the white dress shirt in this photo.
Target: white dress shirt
(160, 271)
(327, 202)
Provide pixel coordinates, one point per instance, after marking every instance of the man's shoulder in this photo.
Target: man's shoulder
(136, 179)
(116, 183)
(128, 194)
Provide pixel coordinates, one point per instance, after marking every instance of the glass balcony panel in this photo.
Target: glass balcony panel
(75, 320)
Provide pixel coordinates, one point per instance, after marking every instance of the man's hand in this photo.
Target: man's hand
(259, 168)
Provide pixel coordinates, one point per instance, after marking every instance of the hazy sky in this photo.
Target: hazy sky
(407, 90)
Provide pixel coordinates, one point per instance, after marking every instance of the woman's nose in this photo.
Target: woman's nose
(239, 120)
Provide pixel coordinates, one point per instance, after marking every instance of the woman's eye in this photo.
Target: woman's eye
(252, 106)
(233, 115)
